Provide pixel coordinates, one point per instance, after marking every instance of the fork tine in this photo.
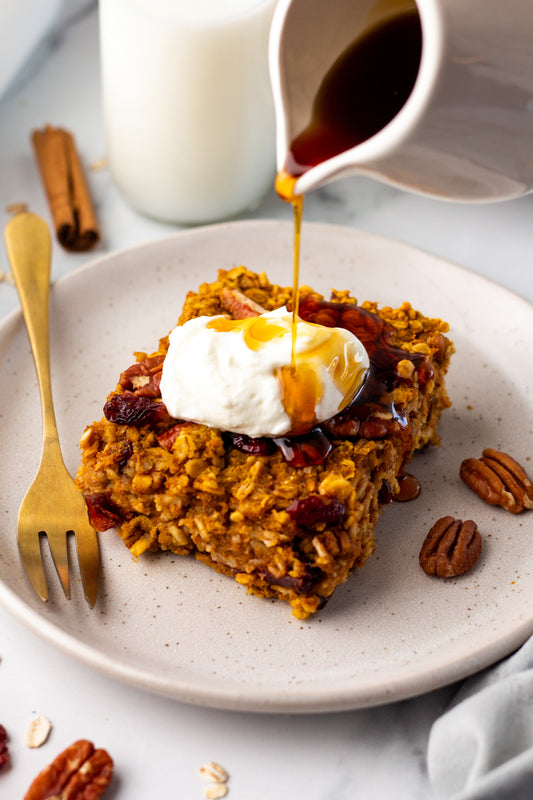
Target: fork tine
(30, 554)
(58, 548)
(89, 561)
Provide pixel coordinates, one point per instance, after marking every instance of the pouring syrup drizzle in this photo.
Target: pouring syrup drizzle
(326, 356)
(285, 183)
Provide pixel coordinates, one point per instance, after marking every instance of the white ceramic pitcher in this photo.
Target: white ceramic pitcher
(465, 132)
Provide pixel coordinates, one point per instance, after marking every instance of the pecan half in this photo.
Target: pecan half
(144, 377)
(167, 438)
(239, 305)
(78, 773)
(451, 547)
(499, 480)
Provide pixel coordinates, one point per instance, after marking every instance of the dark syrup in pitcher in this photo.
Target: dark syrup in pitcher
(362, 92)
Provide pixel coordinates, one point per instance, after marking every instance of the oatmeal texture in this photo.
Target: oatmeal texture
(293, 529)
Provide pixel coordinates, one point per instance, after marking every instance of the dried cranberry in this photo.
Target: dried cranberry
(130, 409)
(385, 495)
(303, 584)
(103, 513)
(305, 451)
(259, 446)
(307, 511)
(125, 455)
(4, 752)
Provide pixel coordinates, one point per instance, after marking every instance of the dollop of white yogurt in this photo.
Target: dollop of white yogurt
(236, 375)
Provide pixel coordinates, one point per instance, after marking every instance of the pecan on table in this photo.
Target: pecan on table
(78, 773)
(499, 480)
(451, 547)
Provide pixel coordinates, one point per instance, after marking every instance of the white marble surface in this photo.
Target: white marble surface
(158, 745)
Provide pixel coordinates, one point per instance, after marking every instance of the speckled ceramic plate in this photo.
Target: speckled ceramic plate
(171, 625)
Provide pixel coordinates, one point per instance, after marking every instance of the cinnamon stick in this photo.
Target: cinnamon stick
(70, 204)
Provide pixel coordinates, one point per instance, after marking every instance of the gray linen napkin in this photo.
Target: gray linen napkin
(481, 748)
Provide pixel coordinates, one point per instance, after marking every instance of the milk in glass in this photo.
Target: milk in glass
(187, 105)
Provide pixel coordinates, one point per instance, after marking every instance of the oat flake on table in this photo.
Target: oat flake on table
(212, 771)
(215, 791)
(37, 731)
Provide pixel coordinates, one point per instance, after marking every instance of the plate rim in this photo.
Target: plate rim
(236, 698)
(232, 699)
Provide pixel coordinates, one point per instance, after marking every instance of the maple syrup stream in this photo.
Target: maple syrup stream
(314, 447)
(285, 183)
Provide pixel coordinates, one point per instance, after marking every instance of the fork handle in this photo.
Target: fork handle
(29, 247)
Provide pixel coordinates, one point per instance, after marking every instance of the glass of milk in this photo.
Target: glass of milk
(188, 106)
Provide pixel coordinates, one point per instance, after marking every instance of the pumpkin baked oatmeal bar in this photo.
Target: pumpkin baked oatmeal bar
(288, 517)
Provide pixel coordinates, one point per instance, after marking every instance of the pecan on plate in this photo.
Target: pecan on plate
(499, 480)
(450, 548)
(78, 773)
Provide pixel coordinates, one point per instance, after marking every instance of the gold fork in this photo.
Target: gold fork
(52, 505)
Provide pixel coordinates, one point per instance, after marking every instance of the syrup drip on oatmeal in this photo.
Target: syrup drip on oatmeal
(409, 488)
(373, 415)
(302, 382)
(374, 409)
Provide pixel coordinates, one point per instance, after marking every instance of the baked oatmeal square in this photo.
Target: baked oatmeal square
(287, 517)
